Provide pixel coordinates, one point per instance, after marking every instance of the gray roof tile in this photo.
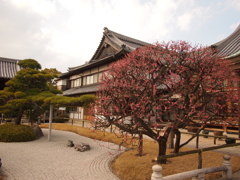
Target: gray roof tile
(229, 45)
(8, 67)
(119, 41)
(81, 90)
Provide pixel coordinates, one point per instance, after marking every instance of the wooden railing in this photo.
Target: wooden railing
(198, 174)
(207, 135)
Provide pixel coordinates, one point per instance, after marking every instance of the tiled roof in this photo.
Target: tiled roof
(8, 68)
(131, 43)
(81, 90)
(118, 41)
(91, 63)
(229, 45)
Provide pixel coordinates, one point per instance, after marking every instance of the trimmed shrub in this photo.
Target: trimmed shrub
(16, 133)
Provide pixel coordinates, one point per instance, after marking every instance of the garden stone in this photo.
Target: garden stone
(37, 131)
(70, 143)
(82, 147)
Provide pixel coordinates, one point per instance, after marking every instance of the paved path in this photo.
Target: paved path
(44, 160)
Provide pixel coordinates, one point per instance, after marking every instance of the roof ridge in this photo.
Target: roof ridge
(126, 38)
(124, 42)
(117, 40)
(9, 59)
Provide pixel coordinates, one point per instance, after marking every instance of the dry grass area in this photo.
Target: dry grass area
(129, 166)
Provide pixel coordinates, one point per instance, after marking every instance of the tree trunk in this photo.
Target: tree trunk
(178, 139)
(162, 144)
(162, 147)
(19, 116)
(140, 147)
(170, 140)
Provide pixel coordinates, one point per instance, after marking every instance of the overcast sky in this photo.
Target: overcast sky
(66, 33)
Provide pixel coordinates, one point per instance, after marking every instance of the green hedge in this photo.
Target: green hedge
(16, 133)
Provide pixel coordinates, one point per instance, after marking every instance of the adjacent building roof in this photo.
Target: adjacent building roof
(231, 45)
(8, 68)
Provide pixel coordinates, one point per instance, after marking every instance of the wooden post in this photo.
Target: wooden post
(197, 140)
(83, 123)
(111, 128)
(50, 122)
(140, 147)
(225, 129)
(200, 160)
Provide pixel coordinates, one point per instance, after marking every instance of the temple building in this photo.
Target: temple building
(230, 49)
(84, 79)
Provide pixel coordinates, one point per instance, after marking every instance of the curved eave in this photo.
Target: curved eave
(230, 45)
(95, 63)
(233, 55)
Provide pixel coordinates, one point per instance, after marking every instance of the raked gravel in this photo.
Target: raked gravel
(53, 160)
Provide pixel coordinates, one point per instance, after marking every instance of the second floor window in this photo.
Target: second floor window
(89, 79)
(86, 80)
(76, 82)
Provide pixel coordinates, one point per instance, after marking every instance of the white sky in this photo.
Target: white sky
(66, 33)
